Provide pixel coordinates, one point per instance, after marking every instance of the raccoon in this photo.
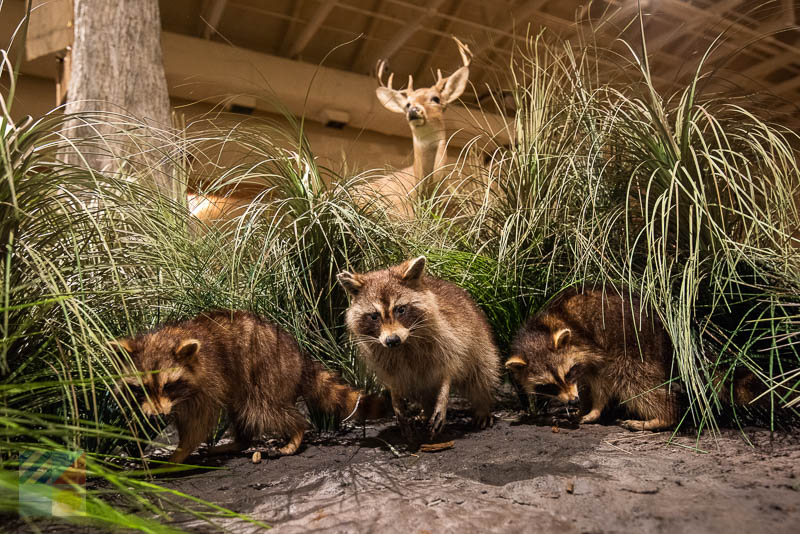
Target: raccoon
(420, 336)
(237, 361)
(598, 347)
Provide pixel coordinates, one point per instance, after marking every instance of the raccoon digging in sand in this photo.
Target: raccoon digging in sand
(605, 346)
(420, 336)
(240, 362)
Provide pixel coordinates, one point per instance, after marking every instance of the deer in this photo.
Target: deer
(424, 110)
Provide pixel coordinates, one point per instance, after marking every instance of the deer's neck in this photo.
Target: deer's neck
(430, 150)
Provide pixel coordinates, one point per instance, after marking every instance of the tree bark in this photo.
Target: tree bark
(117, 67)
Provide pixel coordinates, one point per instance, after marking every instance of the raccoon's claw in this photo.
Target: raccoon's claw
(437, 420)
(482, 422)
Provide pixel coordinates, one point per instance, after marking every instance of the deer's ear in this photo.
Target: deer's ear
(414, 269)
(455, 85)
(349, 282)
(561, 338)
(392, 100)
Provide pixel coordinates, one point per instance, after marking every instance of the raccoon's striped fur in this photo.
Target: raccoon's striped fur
(240, 362)
(602, 347)
(420, 336)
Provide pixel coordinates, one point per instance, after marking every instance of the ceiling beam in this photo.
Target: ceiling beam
(311, 29)
(681, 30)
(688, 11)
(769, 65)
(408, 29)
(358, 63)
(526, 12)
(49, 29)
(210, 17)
(789, 15)
(446, 27)
(785, 88)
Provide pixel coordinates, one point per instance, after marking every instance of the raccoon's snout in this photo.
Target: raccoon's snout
(157, 406)
(570, 395)
(392, 341)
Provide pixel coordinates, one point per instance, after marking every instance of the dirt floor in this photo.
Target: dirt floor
(519, 476)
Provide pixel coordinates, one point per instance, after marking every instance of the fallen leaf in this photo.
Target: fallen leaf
(555, 429)
(257, 457)
(436, 447)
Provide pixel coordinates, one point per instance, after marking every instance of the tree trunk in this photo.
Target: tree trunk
(117, 67)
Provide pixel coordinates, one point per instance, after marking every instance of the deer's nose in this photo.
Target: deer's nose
(415, 113)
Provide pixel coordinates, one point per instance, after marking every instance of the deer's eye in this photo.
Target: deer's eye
(435, 99)
(408, 105)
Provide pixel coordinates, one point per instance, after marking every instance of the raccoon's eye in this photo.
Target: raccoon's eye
(435, 99)
(573, 373)
(400, 310)
(177, 388)
(550, 390)
(137, 392)
(374, 316)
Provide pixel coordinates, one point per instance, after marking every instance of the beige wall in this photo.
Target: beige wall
(361, 149)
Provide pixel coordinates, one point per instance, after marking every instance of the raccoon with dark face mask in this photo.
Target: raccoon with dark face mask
(237, 361)
(603, 348)
(420, 336)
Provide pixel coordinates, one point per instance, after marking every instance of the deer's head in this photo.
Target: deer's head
(424, 106)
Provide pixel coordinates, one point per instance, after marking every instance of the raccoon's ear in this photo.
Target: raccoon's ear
(515, 363)
(414, 269)
(561, 338)
(350, 282)
(121, 347)
(187, 349)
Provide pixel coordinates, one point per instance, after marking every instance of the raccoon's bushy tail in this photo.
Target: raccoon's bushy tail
(326, 392)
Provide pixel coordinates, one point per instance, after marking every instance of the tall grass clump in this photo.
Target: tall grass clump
(711, 218)
(688, 199)
(78, 269)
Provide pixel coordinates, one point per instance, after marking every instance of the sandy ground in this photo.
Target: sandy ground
(522, 475)
(519, 476)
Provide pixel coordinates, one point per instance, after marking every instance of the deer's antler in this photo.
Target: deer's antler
(381, 67)
(466, 58)
(466, 53)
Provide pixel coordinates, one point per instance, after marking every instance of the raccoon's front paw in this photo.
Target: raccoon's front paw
(481, 422)
(633, 425)
(406, 426)
(590, 417)
(436, 422)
